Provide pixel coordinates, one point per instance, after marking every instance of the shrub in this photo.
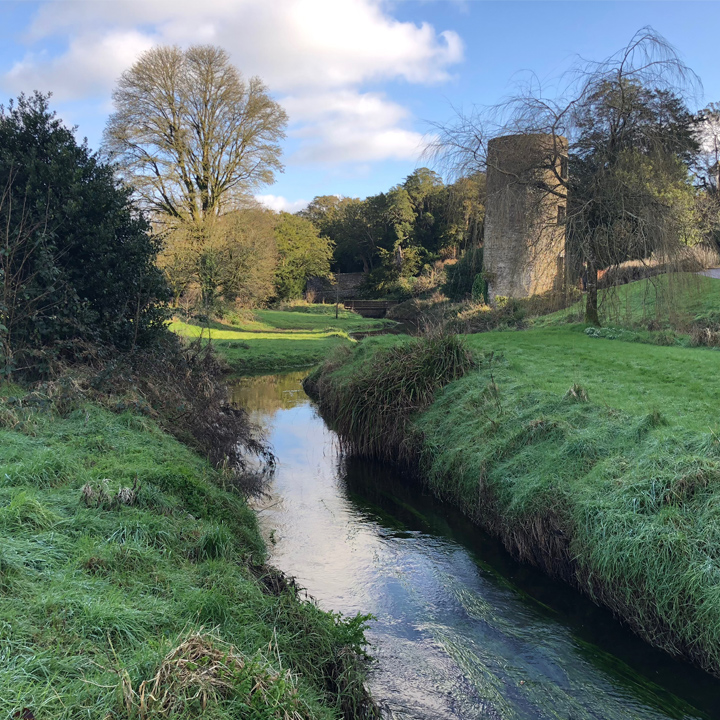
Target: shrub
(372, 407)
(78, 261)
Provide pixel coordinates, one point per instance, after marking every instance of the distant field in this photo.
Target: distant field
(272, 340)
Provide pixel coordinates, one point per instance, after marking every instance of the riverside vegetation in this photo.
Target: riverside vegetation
(133, 581)
(595, 459)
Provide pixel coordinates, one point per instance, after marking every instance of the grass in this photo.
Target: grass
(133, 586)
(665, 302)
(594, 459)
(273, 340)
(372, 406)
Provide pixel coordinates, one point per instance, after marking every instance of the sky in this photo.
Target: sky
(364, 82)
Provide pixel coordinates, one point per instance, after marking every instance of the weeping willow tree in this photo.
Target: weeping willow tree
(630, 145)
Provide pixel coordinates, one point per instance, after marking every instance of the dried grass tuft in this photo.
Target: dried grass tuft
(203, 671)
(577, 393)
(99, 495)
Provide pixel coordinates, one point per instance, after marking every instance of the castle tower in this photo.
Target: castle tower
(524, 244)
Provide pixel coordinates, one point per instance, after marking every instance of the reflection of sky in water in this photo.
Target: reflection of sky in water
(451, 640)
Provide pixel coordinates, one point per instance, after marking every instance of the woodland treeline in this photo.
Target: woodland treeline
(401, 233)
(253, 256)
(95, 245)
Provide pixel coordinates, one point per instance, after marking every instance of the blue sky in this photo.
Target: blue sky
(362, 80)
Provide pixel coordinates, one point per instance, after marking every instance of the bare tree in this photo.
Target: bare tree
(629, 143)
(190, 134)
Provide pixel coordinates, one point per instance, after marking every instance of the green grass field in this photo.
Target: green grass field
(598, 460)
(273, 340)
(664, 302)
(99, 585)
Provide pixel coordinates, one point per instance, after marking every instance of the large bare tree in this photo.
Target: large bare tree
(191, 135)
(630, 142)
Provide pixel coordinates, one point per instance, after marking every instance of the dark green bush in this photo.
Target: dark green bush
(78, 260)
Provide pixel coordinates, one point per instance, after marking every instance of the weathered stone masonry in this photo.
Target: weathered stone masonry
(524, 246)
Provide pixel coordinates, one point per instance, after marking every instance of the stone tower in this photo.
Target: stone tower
(524, 246)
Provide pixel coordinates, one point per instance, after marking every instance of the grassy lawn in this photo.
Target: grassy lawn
(273, 340)
(598, 460)
(97, 591)
(682, 383)
(666, 301)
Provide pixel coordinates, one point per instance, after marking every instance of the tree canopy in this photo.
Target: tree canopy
(231, 258)
(302, 253)
(398, 232)
(191, 135)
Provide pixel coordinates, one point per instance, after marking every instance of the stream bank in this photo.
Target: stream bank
(461, 629)
(618, 503)
(133, 584)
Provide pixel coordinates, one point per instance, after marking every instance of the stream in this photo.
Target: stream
(460, 630)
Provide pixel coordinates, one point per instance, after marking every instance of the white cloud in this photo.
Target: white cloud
(90, 66)
(314, 54)
(348, 126)
(290, 43)
(279, 204)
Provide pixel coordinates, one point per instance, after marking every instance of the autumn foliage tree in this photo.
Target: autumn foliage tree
(232, 259)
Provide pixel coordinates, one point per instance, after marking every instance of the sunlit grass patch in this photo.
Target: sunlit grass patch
(267, 351)
(270, 340)
(212, 333)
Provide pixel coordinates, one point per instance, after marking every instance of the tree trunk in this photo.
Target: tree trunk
(591, 299)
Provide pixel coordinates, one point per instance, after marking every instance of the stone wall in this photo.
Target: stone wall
(524, 245)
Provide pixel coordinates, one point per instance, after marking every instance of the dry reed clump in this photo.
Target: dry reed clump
(704, 337)
(98, 495)
(202, 671)
(577, 393)
(371, 405)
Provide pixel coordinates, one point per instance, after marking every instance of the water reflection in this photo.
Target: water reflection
(267, 394)
(461, 631)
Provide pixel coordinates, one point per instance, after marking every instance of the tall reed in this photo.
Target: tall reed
(371, 408)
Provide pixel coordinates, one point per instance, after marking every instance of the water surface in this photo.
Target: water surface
(460, 629)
